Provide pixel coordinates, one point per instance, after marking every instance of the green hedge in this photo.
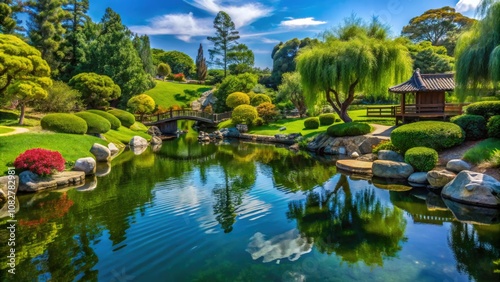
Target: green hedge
(349, 129)
(114, 121)
(326, 119)
(244, 114)
(486, 109)
(95, 123)
(126, 118)
(494, 127)
(474, 126)
(258, 99)
(137, 126)
(311, 123)
(437, 135)
(421, 158)
(64, 123)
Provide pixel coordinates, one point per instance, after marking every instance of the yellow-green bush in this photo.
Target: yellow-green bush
(244, 114)
(126, 118)
(95, 123)
(235, 99)
(64, 123)
(114, 121)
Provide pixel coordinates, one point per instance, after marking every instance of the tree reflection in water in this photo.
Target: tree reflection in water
(355, 227)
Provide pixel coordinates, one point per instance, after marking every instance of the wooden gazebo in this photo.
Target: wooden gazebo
(428, 101)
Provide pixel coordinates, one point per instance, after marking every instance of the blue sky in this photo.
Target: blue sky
(184, 24)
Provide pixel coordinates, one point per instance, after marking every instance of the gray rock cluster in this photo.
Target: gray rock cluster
(325, 144)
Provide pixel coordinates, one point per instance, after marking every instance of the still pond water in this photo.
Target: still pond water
(243, 212)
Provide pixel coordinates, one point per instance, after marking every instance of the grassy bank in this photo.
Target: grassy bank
(482, 151)
(167, 94)
(4, 129)
(123, 135)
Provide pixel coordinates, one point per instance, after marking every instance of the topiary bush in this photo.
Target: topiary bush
(114, 121)
(95, 123)
(40, 161)
(494, 127)
(137, 126)
(235, 99)
(311, 123)
(486, 109)
(326, 119)
(244, 114)
(349, 129)
(421, 158)
(437, 135)
(64, 123)
(474, 126)
(126, 118)
(258, 99)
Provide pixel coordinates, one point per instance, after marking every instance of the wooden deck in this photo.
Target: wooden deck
(414, 112)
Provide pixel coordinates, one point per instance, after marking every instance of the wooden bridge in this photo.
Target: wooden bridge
(167, 122)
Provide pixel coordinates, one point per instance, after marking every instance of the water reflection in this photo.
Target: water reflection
(290, 245)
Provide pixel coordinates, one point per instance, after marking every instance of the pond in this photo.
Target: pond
(243, 212)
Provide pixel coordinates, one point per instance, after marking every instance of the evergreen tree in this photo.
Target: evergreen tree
(143, 47)
(241, 59)
(46, 31)
(9, 24)
(201, 65)
(224, 40)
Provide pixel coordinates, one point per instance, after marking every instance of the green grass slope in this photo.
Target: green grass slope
(167, 94)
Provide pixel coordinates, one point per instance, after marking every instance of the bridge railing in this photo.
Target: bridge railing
(185, 113)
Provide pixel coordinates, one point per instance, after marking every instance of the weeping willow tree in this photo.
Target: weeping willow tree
(355, 57)
(478, 53)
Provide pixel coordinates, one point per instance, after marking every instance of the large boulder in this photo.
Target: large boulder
(439, 178)
(388, 155)
(113, 149)
(473, 188)
(31, 182)
(418, 179)
(155, 140)
(138, 141)
(87, 165)
(101, 152)
(457, 165)
(366, 146)
(5, 182)
(391, 169)
(154, 131)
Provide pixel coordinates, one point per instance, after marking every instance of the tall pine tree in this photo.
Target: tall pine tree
(9, 24)
(224, 40)
(46, 31)
(201, 65)
(143, 47)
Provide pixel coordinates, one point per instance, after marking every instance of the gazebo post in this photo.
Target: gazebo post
(403, 102)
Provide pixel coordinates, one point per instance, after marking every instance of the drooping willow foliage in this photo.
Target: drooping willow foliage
(357, 58)
(478, 54)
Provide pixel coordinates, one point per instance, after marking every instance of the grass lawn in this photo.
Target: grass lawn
(123, 135)
(5, 129)
(360, 115)
(482, 151)
(71, 146)
(11, 118)
(168, 93)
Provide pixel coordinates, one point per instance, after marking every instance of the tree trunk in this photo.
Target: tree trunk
(341, 107)
(21, 116)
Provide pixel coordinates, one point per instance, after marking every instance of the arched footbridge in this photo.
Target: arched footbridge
(167, 122)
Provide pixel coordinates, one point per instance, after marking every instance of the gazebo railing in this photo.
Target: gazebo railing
(415, 109)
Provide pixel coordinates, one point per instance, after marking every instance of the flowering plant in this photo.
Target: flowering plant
(179, 77)
(40, 161)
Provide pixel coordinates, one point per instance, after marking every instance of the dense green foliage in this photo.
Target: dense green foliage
(358, 57)
(311, 123)
(137, 126)
(326, 119)
(97, 90)
(24, 75)
(494, 127)
(179, 62)
(290, 89)
(240, 59)
(201, 65)
(478, 55)
(474, 126)
(244, 114)
(114, 121)
(164, 70)
(141, 104)
(482, 151)
(486, 109)
(224, 41)
(126, 118)
(9, 23)
(143, 47)
(233, 83)
(349, 129)
(437, 135)
(421, 158)
(237, 98)
(429, 58)
(64, 123)
(96, 124)
(267, 111)
(284, 55)
(61, 98)
(258, 99)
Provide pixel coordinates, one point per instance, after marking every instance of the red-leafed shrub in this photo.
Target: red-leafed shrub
(40, 161)
(179, 77)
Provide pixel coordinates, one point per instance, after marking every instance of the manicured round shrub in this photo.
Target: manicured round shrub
(421, 158)
(258, 99)
(437, 135)
(137, 126)
(326, 119)
(267, 111)
(474, 126)
(244, 114)
(349, 129)
(258, 121)
(114, 121)
(311, 123)
(64, 123)
(235, 99)
(486, 109)
(40, 161)
(126, 118)
(494, 127)
(95, 123)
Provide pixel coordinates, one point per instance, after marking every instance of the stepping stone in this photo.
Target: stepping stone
(355, 166)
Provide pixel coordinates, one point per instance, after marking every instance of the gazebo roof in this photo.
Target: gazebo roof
(426, 83)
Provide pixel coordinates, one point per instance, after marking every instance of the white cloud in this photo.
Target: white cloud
(241, 15)
(183, 26)
(302, 22)
(269, 41)
(467, 5)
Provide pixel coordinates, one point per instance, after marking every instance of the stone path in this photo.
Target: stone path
(382, 131)
(17, 130)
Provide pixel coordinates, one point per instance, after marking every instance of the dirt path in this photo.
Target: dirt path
(17, 130)
(382, 131)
